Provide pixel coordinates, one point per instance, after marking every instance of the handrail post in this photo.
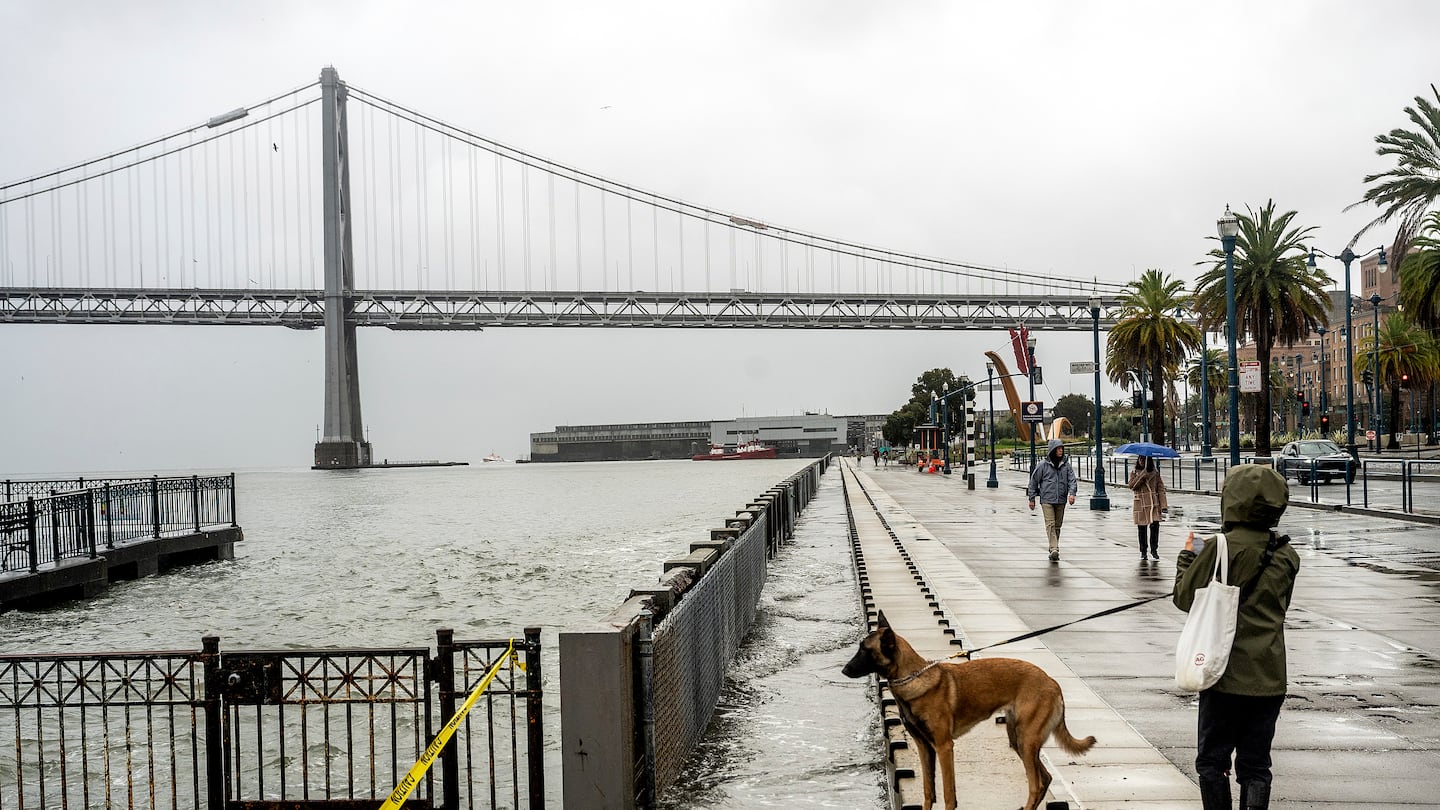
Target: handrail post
(54, 529)
(232, 501)
(215, 788)
(90, 521)
(534, 719)
(155, 503)
(450, 754)
(195, 500)
(34, 539)
(109, 520)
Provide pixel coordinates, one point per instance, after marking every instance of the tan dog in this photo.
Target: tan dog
(940, 701)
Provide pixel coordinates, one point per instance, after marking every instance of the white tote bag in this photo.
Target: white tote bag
(1203, 651)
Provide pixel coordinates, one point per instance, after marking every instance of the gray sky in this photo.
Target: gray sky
(1081, 139)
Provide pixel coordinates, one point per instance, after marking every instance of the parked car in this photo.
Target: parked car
(1329, 461)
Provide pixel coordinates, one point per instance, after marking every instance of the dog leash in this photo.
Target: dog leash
(1034, 633)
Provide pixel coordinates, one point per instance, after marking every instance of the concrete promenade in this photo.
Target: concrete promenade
(1360, 727)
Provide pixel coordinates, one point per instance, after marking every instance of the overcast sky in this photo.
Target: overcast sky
(1080, 139)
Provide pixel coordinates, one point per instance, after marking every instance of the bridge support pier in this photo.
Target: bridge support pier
(343, 444)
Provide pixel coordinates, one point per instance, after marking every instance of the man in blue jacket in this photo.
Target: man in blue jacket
(1054, 483)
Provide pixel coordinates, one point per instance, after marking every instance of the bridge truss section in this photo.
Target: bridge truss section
(459, 310)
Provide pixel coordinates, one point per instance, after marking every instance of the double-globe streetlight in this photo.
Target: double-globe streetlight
(1346, 256)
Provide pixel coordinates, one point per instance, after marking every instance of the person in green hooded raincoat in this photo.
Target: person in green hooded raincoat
(1238, 714)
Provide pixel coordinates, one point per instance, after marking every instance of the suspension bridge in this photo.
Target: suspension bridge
(331, 207)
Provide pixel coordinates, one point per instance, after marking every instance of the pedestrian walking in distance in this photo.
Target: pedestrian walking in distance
(1238, 713)
(1054, 483)
(875, 454)
(1149, 505)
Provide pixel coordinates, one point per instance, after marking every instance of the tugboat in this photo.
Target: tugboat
(752, 449)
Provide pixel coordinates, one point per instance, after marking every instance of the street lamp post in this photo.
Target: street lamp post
(1324, 367)
(945, 425)
(1229, 228)
(1205, 450)
(1300, 398)
(1185, 408)
(1099, 501)
(993, 482)
(1144, 407)
(1030, 357)
(1346, 256)
(1378, 392)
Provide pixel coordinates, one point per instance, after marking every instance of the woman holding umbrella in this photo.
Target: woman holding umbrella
(1149, 504)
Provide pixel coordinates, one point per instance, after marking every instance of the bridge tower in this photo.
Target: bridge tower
(343, 443)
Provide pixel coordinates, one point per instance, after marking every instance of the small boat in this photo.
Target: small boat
(718, 452)
(493, 457)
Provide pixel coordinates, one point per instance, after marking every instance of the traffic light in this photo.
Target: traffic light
(1304, 409)
(1299, 396)
(1137, 398)
(1366, 377)
(1404, 380)
(1325, 422)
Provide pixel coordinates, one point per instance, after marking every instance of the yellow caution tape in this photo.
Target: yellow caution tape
(402, 791)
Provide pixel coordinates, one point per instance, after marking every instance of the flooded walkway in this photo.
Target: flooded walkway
(1360, 727)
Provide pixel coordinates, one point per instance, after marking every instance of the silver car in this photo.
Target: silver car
(1321, 457)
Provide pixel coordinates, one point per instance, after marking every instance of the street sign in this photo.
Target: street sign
(1249, 376)
(1085, 367)
(1370, 434)
(1032, 412)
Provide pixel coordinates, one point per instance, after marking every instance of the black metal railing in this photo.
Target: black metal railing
(1366, 481)
(260, 729)
(61, 524)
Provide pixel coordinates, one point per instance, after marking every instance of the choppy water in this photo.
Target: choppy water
(378, 558)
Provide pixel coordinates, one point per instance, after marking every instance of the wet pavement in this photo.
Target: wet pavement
(1360, 727)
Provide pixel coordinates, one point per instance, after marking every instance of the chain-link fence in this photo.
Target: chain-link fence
(635, 702)
(694, 645)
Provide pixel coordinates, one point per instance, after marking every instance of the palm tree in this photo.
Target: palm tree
(1278, 300)
(1408, 190)
(1214, 384)
(1420, 290)
(1406, 351)
(1420, 275)
(1149, 336)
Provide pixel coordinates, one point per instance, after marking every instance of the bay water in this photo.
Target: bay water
(372, 558)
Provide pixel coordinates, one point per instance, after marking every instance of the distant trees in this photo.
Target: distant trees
(899, 429)
(1079, 410)
(1407, 355)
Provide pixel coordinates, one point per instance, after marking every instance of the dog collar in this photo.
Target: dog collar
(912, 676)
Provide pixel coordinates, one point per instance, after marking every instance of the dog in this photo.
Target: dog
(939, 701)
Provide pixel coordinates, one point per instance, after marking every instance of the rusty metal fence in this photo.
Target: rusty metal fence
(269, 729)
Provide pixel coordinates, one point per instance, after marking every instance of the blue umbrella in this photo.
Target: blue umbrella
(1146, 449)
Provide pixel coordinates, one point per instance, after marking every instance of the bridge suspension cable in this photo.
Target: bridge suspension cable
(733, 222)
(232, 203)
